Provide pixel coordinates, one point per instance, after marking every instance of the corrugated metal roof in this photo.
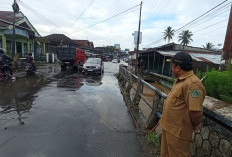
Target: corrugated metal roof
(214, 58)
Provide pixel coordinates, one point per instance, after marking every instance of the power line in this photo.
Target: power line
(201, 15)
(212, 30)
(107, 19)
(209, 16)
(82, 13)
(211, 25)
(44, 19)
(190, 22)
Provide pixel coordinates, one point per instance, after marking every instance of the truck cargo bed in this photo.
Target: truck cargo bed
(66, 53)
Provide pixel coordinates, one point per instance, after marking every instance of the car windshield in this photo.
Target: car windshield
(94, 60)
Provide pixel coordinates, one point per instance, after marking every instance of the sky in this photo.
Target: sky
(86, 20)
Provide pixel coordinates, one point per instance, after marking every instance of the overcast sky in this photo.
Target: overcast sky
(72, 17)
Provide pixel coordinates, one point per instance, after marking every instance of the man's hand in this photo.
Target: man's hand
(196, 117)
(197, 127)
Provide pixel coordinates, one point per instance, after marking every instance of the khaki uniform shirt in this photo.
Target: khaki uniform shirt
(187, 94)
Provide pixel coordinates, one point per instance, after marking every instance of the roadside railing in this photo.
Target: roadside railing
(128, 80)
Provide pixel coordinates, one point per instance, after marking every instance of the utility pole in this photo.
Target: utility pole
(227, 48)
(138, 39)
(16, 10)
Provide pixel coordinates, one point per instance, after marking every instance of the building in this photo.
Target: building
(84, 43)
(157, 59)
(53, 40)
(24, 31)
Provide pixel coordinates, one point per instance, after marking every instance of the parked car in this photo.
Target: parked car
(93, 66)
(115, 61)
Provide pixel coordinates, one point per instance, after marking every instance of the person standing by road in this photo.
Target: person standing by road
(183, 109)
(30, 60)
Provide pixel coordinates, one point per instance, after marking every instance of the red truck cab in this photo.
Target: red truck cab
(80, 57)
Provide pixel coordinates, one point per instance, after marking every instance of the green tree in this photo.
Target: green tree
(208, 46)
(185, 37)
(168, 33)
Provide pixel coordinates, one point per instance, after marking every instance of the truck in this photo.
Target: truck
(70, 56)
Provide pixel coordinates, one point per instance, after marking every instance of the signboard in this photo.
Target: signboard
(117, 46)
(136, 37)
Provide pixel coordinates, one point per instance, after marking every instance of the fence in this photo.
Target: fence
(128, 80)
(215, 137)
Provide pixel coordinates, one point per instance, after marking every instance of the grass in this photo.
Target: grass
(218, 84)
(153, 138)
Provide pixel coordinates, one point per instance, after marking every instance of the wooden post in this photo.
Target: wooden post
(153, 62)
(227, 48)
(137, 97)
(130, 84)
(163, 66)
(153, 119)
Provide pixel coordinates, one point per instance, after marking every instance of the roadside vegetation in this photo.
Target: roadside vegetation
(153, 138)
(218, 84)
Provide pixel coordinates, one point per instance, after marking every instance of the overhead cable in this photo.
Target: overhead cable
(82, 13)
(157, 41)
(202, 15)
(107, 18)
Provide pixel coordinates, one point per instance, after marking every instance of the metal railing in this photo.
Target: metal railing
(128, 79)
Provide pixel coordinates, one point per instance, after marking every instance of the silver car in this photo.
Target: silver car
(93, 66)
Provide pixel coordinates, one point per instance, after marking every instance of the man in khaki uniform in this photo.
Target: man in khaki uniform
(183, 110)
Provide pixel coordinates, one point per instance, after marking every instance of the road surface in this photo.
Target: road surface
(66, 114)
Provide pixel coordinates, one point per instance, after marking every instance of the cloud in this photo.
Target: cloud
(157, 15)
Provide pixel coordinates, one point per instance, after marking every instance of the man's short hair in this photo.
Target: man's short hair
(184, 60)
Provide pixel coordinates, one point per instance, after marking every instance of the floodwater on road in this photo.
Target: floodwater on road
(72, 115)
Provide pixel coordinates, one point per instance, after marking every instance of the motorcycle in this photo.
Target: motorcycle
(5, 72)
(30, 70)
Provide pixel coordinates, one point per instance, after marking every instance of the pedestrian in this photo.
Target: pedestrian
(30, 60)
(183, 109)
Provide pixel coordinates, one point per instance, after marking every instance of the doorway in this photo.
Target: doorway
(19, 48)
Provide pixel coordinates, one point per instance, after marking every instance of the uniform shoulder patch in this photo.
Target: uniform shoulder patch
(195, 93)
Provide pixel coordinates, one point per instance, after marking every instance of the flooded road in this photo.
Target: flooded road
(71, 115)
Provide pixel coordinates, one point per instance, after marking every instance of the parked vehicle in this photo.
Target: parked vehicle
(70, 56)
(94, 66)
(115, 61)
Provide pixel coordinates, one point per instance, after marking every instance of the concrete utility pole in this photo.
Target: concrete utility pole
(137, 50)
(227, 49)
(16, 10)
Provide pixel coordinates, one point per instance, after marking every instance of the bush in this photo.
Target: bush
(218, 84)
(153, 138)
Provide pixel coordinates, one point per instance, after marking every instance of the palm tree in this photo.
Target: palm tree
(208, 46)
(168, 33)
(185, 37)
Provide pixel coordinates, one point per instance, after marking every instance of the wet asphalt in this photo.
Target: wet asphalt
(66, 114)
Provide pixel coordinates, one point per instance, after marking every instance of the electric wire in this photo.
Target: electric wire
(211, 25)
(159, 40)
(208, 17)
(37, 14)
(201, 15)
(82, 13)
(107, 19)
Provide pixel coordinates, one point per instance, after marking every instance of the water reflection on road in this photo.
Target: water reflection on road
(71, 115)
